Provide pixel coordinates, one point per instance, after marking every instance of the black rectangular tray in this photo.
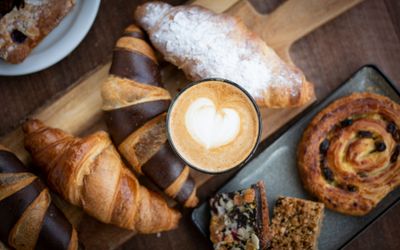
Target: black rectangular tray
(277, 166)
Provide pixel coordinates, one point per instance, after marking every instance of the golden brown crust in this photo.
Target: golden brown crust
(13, 182)
(295, 97)
(29, 219)
(26, 231)
(135, 105)
(173, 189)
(142, 144)
(137, 45)
(27, 24)
(120, 92)
(74, 244)
(192, 201)
(3, 148)
(88, 172)
(348, 155)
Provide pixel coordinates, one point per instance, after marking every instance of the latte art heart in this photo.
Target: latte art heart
(213, 125)
(210, 127)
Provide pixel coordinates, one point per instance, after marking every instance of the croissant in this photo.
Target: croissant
(205, 44)
(88, 172)
(29, 220)
(135, 105)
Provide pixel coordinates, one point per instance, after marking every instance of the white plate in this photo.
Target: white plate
(59, 43)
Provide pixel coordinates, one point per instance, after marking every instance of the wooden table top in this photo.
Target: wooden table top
(367, 34)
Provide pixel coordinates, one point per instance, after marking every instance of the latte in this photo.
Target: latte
(213, 125)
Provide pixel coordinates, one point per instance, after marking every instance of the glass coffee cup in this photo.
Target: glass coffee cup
(214, 125)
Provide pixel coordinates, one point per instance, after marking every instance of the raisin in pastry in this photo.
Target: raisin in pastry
(240, 220)
(348, 156)
(24, 23)
(296, 224)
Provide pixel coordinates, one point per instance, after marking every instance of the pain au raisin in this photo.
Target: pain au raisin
(328, 174)
(362, 174)
(380, 146)
(324, 146)
(365, 134)
(396, 136)
(346, 122)
(395, 154)
(351, 188)
(391, 128)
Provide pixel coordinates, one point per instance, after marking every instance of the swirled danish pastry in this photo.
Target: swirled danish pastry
(348, 156)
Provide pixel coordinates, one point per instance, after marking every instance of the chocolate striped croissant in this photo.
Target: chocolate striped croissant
(349, 154)
(29, 220)
(88, 172)
(135, 105)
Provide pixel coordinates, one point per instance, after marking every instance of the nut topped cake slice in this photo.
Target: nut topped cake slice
(296, 223)
(240, 220)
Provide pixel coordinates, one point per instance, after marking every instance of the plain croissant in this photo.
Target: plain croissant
(205, 45)
(88, 172)
(135, 106)
(29, 220)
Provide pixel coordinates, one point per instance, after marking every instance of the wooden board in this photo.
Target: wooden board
(82, 102)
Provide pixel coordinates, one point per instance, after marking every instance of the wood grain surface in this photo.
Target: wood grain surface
(367, 34)
(83, 101)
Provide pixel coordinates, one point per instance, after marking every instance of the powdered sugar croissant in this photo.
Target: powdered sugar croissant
(205, 44)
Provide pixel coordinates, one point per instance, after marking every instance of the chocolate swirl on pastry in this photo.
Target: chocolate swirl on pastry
(349, 154)
(135, 106)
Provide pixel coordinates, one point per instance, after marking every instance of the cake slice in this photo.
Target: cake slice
(240, 220)
(296, 223)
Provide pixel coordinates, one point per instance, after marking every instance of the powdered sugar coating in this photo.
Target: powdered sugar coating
(204, 44)
(158, 11)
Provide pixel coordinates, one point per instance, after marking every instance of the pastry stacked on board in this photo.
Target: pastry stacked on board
(23, 24)
(349, 154)
(205, 44)
(29, 220)
(88, 172)
(135, 106)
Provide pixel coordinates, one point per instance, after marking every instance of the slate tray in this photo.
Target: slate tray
(276, 165)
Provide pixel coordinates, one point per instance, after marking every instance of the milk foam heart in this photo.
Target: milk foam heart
(213, 125)
(210, 127)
